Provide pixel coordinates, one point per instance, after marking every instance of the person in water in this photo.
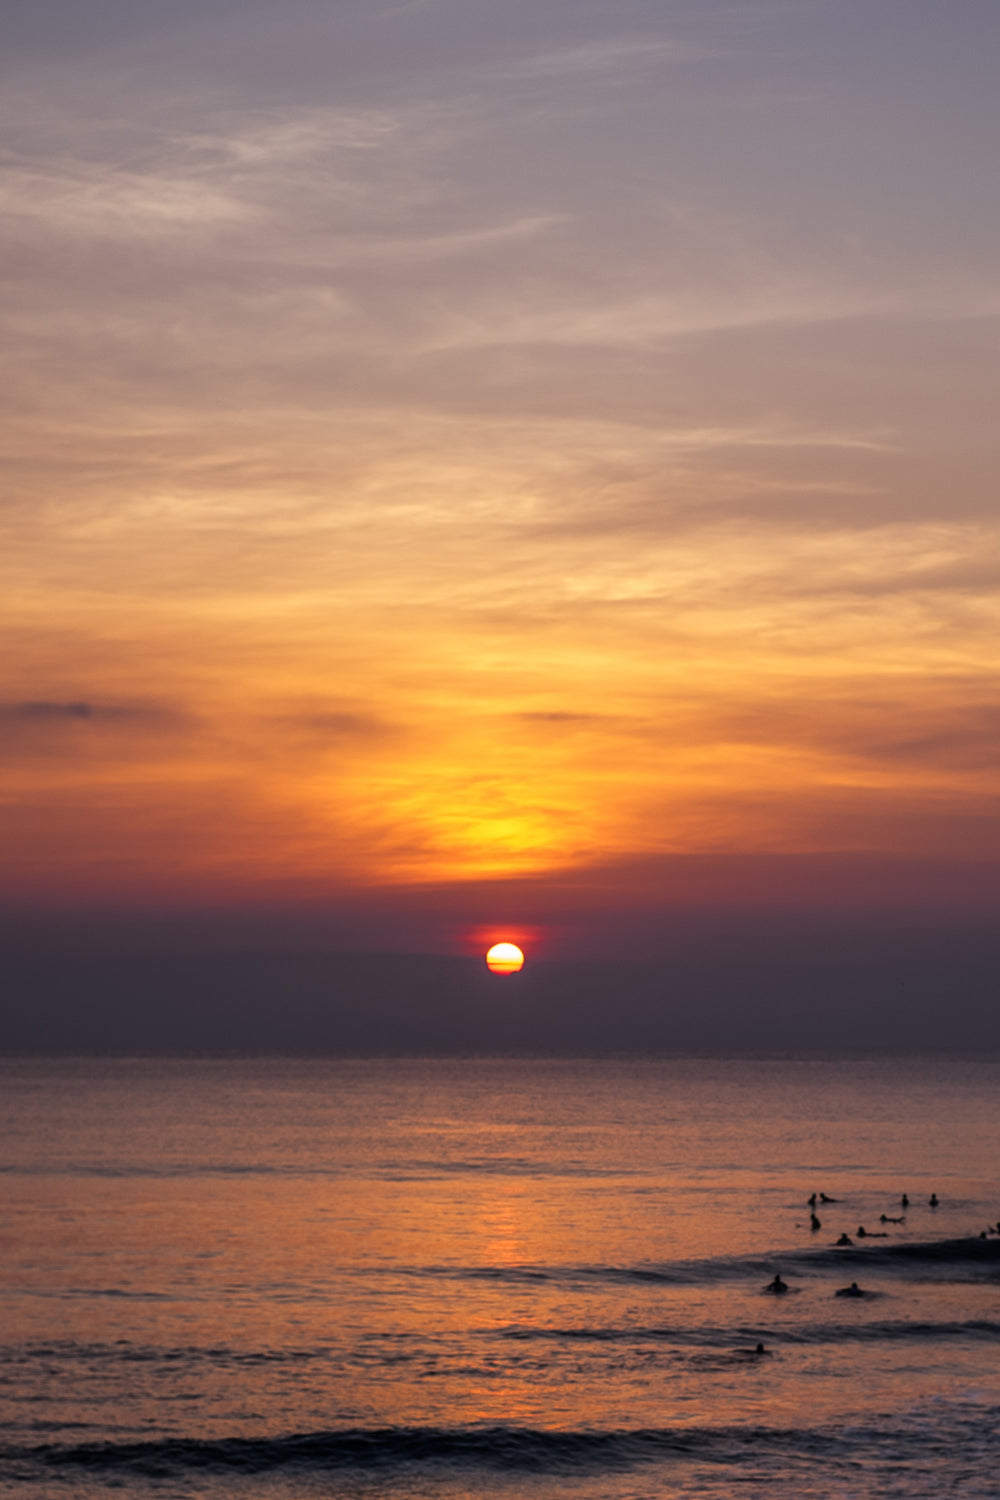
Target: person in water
(777, 1286)
(850, 1291)
(933, 1200)
(845, 1239)
(814, 1223)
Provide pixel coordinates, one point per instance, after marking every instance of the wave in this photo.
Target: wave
(509, 1447)
(973, 1248)
(682, 1342)
(969, 1252)
(731, 1339)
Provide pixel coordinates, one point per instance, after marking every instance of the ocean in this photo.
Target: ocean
(499, 1277)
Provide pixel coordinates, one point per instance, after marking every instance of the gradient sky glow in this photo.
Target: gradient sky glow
(451, 442)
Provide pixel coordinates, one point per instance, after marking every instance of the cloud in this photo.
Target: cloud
(78, 200)
(47, 711)
(622, 56)
(390, 396)
(93, 730)
(557, 716)
(894, 736)
(41, 710)
(345, 725)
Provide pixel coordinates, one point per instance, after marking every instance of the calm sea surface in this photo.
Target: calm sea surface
(483, 1278)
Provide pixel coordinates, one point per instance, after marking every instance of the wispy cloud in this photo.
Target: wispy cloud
(613, 54)
(75, 198)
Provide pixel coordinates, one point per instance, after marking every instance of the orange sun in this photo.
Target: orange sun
(504, 958)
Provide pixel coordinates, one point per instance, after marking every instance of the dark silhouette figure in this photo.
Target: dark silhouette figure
(777, 1286)
(850, 1291)
(845, 1239)
(824, 1199)
(812, 1200)
(885, 1219)
(933, 1200)
(905, 1201)
(814, 1223)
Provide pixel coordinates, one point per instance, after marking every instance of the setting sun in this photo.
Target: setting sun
(505, 958)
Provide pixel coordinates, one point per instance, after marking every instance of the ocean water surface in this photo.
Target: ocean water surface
(490, 1277)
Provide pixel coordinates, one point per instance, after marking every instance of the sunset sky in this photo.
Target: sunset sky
(471, 463)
